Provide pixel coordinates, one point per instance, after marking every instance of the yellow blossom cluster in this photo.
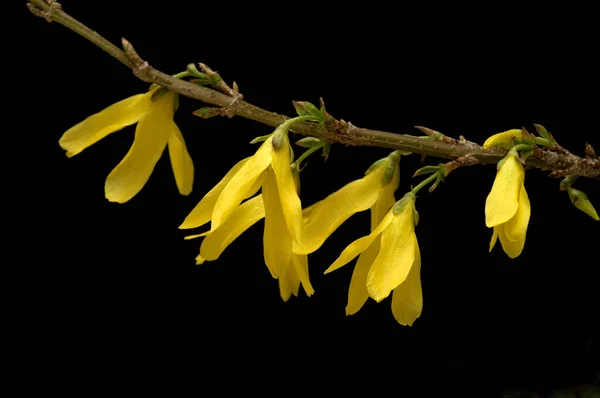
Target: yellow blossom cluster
(265, 186)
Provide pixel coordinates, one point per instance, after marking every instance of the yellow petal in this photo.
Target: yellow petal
(511, 248)
(358, 294)
(246, 215)
(201, 214)
(361, 244)
(386, 200)
(289, 284)
(494, 237)
(503, 201)
(196, 236)
(181, 162)
(513, 233)
(290, 202)
(241, 183)
(396, 255)
(307, 213)
(407, 299)
(515, 229)
(114, 118)
(503, 140)
(334, 210)
(300, 263)
(151, 137)
(277, 241)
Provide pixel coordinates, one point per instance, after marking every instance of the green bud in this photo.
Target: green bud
(305, 108)
(309, 142)
(541, 130)
(581, 201)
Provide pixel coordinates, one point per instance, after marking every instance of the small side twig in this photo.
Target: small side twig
(463, 161)
(53, 6)
(220, 83)
(590, 152)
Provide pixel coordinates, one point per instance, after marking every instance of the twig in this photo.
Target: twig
(561, 162)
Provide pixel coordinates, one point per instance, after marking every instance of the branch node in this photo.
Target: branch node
(47, 15)
(220, 84)
(463, 161)
(590, 152)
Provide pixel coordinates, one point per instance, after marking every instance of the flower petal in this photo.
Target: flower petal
(117, 116)
(290, 202)
(495, 236)
(514, 232)
(357, 293)
(386, 200)
(246, 215)
(277, 241)
(241, 183)
(512, 248)
(396, 255)
(300, 263)
(407, 298)
(151, 137)
(361, 244)
(503, 140)
(515, 229)
(289, 284)
(181, 162)
(202, 213)
(335, 209)
(503, 200)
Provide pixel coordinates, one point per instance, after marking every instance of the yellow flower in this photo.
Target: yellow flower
(269, 170)
(392, 262)
(325, 216)
(507, 207)
(506, 139)
(153, 112)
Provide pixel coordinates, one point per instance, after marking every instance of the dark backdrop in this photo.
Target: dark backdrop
(113, 289)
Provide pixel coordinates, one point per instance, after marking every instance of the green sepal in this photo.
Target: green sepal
(375, 165)
(402, 203)
(262, 138)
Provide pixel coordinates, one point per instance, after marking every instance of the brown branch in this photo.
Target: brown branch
(560, 162)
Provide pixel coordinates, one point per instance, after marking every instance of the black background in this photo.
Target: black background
(113, 290)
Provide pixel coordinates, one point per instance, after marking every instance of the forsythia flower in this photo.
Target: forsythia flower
(507, 207)
(325, 216)
(393, 263)
(153, 112)
(506, 140)
(269, 170)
